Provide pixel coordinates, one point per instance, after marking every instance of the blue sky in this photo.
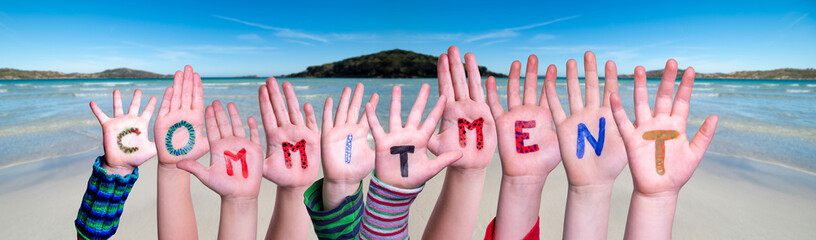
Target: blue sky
(276, 37)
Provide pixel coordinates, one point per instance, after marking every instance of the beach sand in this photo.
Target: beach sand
(727, 198)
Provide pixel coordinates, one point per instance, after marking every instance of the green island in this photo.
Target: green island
(776, 74)
(10, 73)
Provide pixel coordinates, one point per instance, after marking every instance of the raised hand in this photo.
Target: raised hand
(661, 158)
(466, 112)
(124, 136)
(528, 148)
(179, 127)
(401, 154)
(591, 146)
(347, 158)
(236, 164)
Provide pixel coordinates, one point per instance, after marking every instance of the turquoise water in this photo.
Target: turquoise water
(760, 120)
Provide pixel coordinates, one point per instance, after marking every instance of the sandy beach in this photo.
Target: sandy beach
(727, 198)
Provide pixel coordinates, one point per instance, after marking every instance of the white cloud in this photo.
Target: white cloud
(281, 32)
(251, 38)
(512, 32)
(541, 37)
(795, 22)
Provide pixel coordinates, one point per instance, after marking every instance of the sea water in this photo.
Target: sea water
(772, 121)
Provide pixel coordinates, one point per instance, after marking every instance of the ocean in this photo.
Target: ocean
(771, 121)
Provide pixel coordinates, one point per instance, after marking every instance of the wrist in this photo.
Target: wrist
(591, 190)
(242, 202)
(339, 188)
(120, 170)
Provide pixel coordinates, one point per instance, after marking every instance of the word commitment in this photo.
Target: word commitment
(168, 139)
(241, 156)
(464, 125)
(403, 151)
(348, 149)
(122, 134)
(583, 133)
(660, 136)
(300, 146)
(521, 136)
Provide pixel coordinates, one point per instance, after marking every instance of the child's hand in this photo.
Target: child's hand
(401, 154)
(235, 163)
(527, 142)
(347, 158)
(466, 111)
(181, 111)
(598, 156)
(124, 136)
(660, 156)
(292, 150)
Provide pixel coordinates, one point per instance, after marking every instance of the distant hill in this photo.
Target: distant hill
(10, 73)
(395, 63)
(779, 74)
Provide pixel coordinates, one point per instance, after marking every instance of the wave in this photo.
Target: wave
(108, 84)
(770, 84)
(33, 127)
(302, 87)
(90, 94)
(3, 90)
(797, 90)
(697, 95)
(810, 85)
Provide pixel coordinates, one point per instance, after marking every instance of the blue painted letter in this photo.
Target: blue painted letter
(583, 133)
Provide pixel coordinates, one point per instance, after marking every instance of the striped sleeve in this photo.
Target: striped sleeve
(386, 214)
(98, 216)
(341, 222)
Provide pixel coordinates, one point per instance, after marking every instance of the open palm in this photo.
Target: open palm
(590, 168)
(124, 136)
(339, 162)
(680, 157)
(182, 109)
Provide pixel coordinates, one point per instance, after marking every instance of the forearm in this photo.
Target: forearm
(176, 217)
(519, 203)
(103, 202)
(340, 222)
(651, 217)
(454, 216)
(587, 212)
(239, 219)
(289, 219)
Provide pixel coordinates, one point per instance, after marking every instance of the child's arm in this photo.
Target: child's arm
(660, 156)
(454, 215)
(528, 148)
(126, 148)
(292, 158)
(236, 166)
(179, 135)
(597, 157)
(335, 203)
(402, 166)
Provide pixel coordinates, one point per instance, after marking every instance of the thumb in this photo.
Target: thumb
(442, 161)
(433, 144)
(195, 168)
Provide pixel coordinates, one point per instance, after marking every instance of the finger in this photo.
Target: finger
(164, 108)
(443, 76)
(188, 87)
(493, 98)
(444, 160)
(278, 104)
(474, 78)
(211, 123)
(235, 118)
(573, 87)
(198, 92)
(457, 71)
(663, 99)
(135, 103)
(433, 118)
(117, 104)
(683, 97)
(434, 144)
(557, 111)
(531, 81)
(354, 108)
(610, 81)
(376, 129)
(591, 84)
(98, 113)
(254, 135)
(178, 81)
(415, 116)
(703, 137)
(311, 121)
(292, 102)
(342, 106)
(624, 125)
(642, 111)
(513, 92)
(327, 115)
(375, 98)
(267, 114)
(394, 118)
(148, 111)
(222, 119)
(195, 168)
